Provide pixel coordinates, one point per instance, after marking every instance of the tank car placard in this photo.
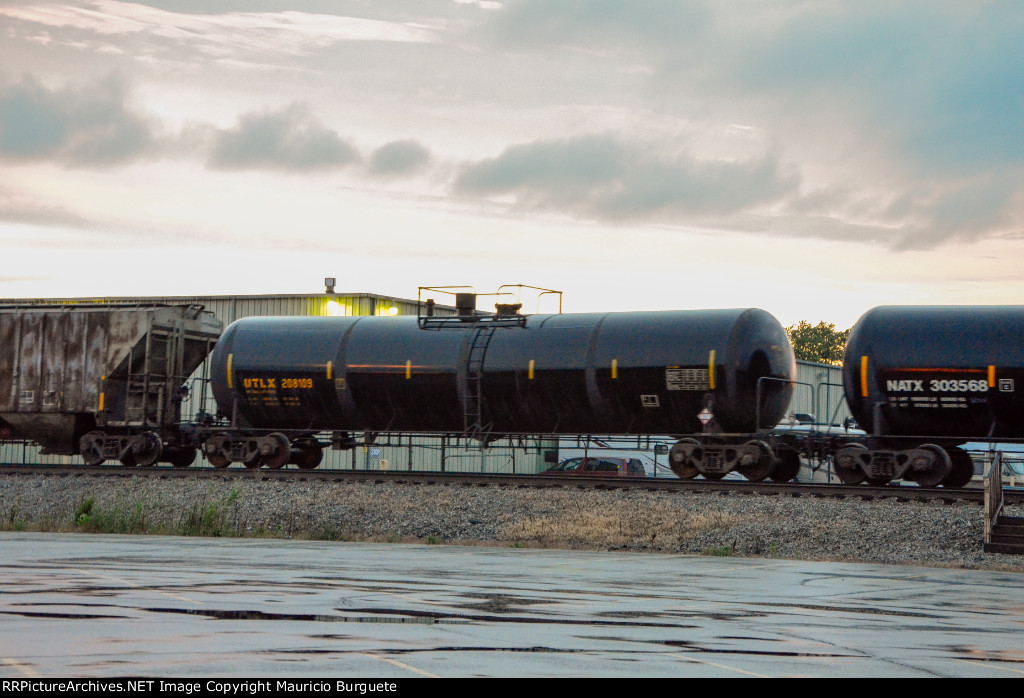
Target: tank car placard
(679, 378)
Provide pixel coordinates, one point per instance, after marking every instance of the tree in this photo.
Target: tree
(822, 342)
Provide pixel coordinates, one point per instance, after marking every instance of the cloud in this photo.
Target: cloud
(221, 36)
(90, 126)
(601, 25)
(940, 84)
(601, 176)
(17, 207)
(399, 158)
(903, 118)
(290, 139)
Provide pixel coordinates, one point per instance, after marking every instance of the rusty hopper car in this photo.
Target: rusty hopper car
(103, 381)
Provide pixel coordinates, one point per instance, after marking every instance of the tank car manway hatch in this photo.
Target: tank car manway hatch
(481, 327)
(106, 381)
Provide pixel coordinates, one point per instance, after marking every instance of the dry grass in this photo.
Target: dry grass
(621, 523)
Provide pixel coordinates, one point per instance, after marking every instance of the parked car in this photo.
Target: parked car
(599, 466)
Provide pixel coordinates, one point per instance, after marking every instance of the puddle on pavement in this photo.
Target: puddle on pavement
(395, 615)
(974, 654)
(61, 616)
(501, 603)
(697, 649)
(868, 610)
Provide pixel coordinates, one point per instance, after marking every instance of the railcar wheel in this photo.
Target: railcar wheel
(252, 460)
(278, 451)
(761, 465)
(845, 463)
(90, 447)
(145, 449)
(218, 459)
(180, 456)
(787, 467)
(307, 454)
(936, 473)
(680, 462)
(961, 470)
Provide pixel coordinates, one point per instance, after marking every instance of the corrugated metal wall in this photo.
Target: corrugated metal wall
(231, 308)
(819, 391)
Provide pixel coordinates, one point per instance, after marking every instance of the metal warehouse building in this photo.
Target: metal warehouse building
(818, 392)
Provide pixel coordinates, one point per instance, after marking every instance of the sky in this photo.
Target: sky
(812, 158)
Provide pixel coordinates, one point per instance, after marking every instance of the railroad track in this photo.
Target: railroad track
(838, 491)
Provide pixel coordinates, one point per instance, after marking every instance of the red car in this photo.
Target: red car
(599, 466)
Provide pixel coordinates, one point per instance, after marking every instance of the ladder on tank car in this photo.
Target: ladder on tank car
(473, 417)
(481, 328)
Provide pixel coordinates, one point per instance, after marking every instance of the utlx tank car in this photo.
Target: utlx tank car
(727, 372)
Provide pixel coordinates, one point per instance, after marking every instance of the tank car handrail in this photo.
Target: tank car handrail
(993, 495)
(757, 397)
(835, 413)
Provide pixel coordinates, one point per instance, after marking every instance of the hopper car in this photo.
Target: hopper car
(106, 382)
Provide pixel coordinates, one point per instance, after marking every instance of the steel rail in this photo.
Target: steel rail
(837, 491)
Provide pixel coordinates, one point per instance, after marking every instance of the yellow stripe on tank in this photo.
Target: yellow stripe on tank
(863, 376)
(991, 376)
(711, 369)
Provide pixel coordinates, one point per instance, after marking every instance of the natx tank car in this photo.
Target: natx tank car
(922, 381)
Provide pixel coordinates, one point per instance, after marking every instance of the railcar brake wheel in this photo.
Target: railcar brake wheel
(961, 469)
(279, 453)
(90, 447)
(787, 466)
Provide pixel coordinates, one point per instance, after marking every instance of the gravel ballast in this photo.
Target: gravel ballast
(704, 523)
